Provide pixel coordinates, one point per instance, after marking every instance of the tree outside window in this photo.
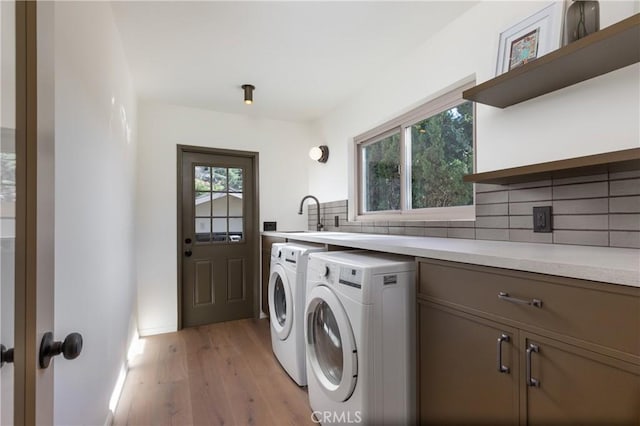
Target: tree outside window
(416, 164)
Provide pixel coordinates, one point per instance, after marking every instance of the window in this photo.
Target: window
(413, 165)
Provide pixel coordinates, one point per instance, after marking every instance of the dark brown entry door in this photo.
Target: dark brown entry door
(218, 238)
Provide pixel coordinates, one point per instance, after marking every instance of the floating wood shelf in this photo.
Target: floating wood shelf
(628, 159)
(607, 50)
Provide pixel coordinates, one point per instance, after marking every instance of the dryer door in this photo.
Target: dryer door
(331, 348)
(280, 302)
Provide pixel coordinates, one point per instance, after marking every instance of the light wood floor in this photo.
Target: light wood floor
(221, 374)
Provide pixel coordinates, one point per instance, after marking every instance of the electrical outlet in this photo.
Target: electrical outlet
(269, 226)
(542, 219)
(336, 221)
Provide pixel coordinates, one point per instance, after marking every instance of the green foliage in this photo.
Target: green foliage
(441, 154)
(205, 180)
(382, 163)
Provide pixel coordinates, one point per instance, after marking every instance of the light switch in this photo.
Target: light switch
(542, 219)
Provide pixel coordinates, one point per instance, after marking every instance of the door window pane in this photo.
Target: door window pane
(203, 229)
(235, 180)
(203, 204)
(280, 301)
(235, 228)
(441, 154)
(381, 174)
(219, 179)
(202, 178)
(220, 204)
(220, 229)
(235, 204)
(223, 205)
(327, 343)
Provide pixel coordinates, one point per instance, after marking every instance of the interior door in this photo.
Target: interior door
(26, 210)
(218, 236)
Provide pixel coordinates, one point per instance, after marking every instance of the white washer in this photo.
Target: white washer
(359, 333)
(287, 288)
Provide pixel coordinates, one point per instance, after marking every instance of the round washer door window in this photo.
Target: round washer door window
(280, 302)
(330, 344)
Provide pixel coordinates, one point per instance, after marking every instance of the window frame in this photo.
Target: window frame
(402, 124)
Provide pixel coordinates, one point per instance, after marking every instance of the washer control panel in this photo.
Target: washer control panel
(351, 277)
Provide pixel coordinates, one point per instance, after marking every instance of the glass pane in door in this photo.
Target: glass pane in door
(203, 204)
(218, 204)
(203, 229)
(202, 178)
(219, 178)
(235, 180)
(220, 201)
(7, 201)
(327, 342)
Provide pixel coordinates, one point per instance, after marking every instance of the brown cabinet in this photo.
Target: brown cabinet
(266, 262)
(577, 386)
(508, 347)
(458, 368)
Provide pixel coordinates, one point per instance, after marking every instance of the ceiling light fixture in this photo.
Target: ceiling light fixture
(248, 93)
(319, 153)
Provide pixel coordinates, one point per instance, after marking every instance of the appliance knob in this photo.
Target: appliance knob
(326, 271)
(279, 254)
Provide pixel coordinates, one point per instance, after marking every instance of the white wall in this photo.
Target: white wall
(282, 147)
(595, 116)
(95, 191)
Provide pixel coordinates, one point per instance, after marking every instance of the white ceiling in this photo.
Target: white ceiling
(305, 58)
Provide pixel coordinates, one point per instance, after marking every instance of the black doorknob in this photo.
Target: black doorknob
(70, 348)
(6, 355)
(188, 253)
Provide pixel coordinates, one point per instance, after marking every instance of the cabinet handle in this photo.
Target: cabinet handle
(530, 380)
(502, 368)
(533, 302)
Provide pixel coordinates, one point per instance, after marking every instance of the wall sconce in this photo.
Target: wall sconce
(248, 93)
(319, 153)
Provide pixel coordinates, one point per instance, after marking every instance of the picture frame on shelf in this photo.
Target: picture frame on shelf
(531, 38)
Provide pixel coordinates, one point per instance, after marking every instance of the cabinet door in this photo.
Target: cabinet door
(576, 386)
(459, 381)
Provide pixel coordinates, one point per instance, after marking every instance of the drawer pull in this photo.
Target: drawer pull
(534, 302)
(530, 380)
(502, 368)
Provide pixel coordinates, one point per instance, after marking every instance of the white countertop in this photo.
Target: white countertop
(605, 264)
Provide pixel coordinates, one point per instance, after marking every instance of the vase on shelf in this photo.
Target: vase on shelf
(582, 19)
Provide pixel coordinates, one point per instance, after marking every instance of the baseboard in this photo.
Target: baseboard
(156, 330)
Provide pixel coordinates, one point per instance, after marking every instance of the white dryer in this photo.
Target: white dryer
(359, 332)
(287, 288)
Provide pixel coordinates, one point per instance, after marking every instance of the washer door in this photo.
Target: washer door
(331, 348)
(280, 302)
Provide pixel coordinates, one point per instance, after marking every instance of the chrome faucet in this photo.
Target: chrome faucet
(318, 225)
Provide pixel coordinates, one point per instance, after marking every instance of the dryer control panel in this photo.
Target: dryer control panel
(351, 277)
